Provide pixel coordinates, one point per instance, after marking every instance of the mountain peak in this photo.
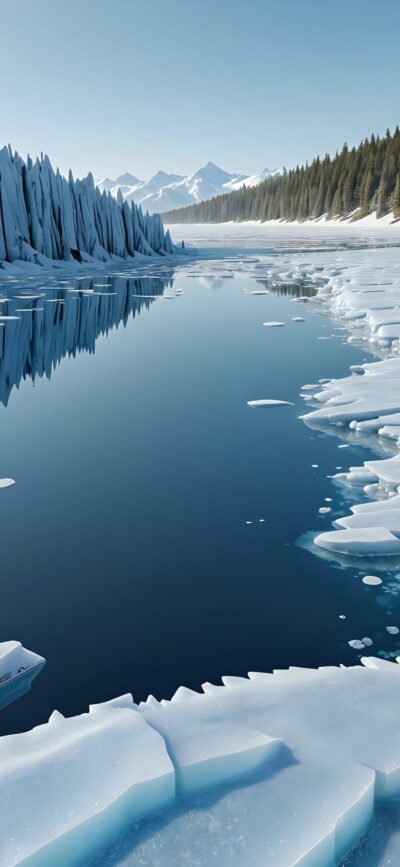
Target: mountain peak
(127, 179)
(162, 178)
(165, 191)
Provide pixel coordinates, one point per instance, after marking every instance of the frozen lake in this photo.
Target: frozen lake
(150, 538)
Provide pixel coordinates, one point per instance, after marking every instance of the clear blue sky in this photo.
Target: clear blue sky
(137, 85)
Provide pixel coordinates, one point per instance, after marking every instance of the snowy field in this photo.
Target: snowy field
(285, 768)
(256, 234)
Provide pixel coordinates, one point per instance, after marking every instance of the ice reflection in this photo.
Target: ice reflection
(39, 327)
(290, 288)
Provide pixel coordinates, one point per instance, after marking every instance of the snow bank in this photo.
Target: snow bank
(313, 770)
(45, 217)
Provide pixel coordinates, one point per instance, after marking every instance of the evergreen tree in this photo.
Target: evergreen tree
(356, 181)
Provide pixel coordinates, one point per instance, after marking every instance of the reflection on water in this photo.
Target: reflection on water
(40, 327)
(291, 289)
(149, 540)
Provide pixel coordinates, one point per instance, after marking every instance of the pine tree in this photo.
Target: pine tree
(395, 199)
(359, 180)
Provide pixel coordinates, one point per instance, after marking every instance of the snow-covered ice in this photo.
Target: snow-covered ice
(361, 289)
(372, 580)
(273, 324)
(295, 761)
(18, 669)
(269, 402)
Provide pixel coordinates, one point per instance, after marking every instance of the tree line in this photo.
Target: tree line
(354, 182)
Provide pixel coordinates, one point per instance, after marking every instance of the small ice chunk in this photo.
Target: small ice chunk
(367, 641)
(393, 630)
(328, 499)
(315, 466)
(324, 510)
(273, 324)
(5, 483)
(268, 402)
(342, 617)
(297, 319)
(360, 542)
(356, 644)
(372, 580)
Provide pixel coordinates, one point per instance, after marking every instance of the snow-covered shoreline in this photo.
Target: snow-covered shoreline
(363, 292)
(241, 229)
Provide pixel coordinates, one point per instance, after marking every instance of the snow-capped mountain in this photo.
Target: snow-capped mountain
(126, 180)
(253, 180)
(163, 191)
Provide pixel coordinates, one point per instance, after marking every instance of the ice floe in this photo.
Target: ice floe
(295, 765)
(363, 294)
(269, 402)
(273, 324)
(372, 580)
(18, 669)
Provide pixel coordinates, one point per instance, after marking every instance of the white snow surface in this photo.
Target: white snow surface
(296, 761)
(164, 192)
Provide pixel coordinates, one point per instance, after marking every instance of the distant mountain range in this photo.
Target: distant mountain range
(164, 192)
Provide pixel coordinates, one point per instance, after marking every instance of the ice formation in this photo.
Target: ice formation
(45, 217)
(269, 402)
(372, 580)
(18, 668)
(310, 770)
(273, 324)
(362, 291)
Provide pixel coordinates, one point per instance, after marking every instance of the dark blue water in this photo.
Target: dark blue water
(126, 559)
